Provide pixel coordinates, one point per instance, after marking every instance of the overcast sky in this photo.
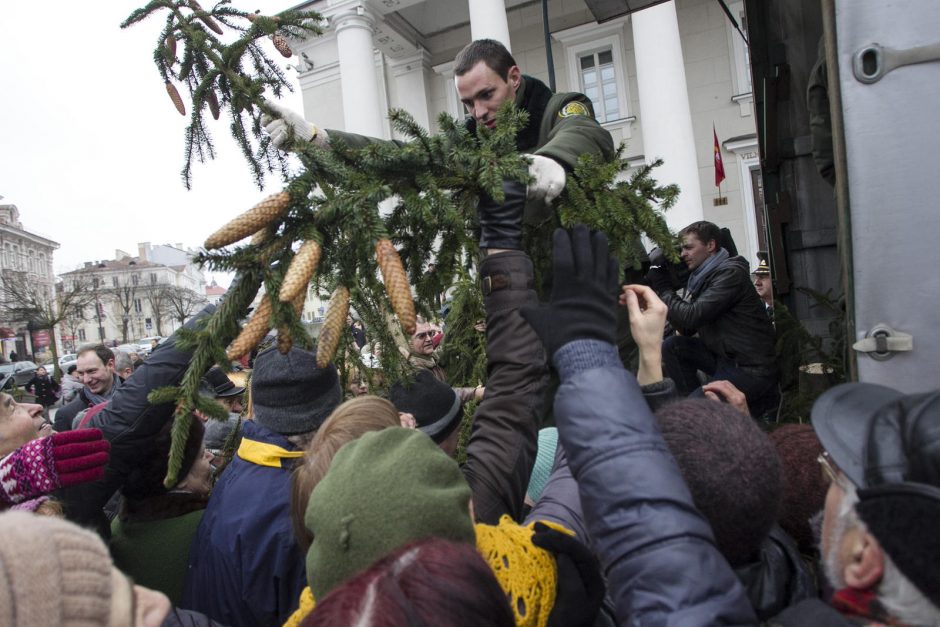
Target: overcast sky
(91, 146)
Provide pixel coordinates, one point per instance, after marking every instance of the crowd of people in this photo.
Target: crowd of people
(587, 494)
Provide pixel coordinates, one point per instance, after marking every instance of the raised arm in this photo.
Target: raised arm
(504, 438)
(657, 551)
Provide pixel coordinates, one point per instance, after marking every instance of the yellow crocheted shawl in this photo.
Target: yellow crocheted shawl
(524, 571)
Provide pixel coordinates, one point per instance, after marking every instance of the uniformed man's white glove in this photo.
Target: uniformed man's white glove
(279, 128)
(548, 179)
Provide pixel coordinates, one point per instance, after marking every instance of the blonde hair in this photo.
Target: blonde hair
(348, 422)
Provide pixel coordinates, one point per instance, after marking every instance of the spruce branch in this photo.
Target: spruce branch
(231, 75)
(429, 186)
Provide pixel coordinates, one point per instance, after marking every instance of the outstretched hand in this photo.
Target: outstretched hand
(584, 286)
(647, 315)
(647, 324)
(727, 392)
(290, 125)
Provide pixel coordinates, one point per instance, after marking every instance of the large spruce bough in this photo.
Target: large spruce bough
(418, 197)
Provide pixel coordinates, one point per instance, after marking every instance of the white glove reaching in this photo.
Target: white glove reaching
(548, 179)
(279, 128)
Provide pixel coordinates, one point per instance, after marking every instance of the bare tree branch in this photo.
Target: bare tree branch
(159, 304)
(124, 296)
(182, 302)
(34, 303)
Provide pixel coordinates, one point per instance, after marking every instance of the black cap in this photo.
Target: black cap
(434, 404)
(219, 384)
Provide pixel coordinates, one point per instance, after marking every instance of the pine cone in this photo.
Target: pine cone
(284, 340)
(334, 323)
(281, 44)
(253, 331)
(213, 101)
(249, 222)
(299, 303)
(300, 271)
(259, 238)
(175, 97)
(206, 19)
(169, 49)
(396, 284)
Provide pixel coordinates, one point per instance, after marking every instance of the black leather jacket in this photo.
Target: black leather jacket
(729, 317)
(778, 578)
(129, 423)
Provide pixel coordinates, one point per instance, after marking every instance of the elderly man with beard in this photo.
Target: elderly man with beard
(880, 545)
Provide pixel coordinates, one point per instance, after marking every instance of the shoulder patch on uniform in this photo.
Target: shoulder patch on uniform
(574, 108)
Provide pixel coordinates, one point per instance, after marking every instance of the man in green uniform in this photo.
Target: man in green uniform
(560, 129)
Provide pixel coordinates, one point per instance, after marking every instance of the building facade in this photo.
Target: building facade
(661, 80)
(151, 294)
(27, 257)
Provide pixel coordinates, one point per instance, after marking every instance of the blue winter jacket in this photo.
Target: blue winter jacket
(245, 568)
(657, 550)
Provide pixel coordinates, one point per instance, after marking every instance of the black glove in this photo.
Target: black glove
(580, 589)
(658, 278)
(501, 223)
(584, 288)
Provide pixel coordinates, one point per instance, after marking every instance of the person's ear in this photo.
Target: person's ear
(514, 77)
(712, 246)
(866, 563)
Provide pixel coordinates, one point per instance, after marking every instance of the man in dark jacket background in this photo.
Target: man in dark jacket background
(735, 338)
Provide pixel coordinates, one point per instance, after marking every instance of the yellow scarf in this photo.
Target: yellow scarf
(525, 572)
(264, 454)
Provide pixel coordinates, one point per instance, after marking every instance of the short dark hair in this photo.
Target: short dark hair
(731, 468)
(704, 230)
(71, 369)
(490, 51)
(104, 353)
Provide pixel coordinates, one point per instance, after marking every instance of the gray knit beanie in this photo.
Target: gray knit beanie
(290, 395)
(52, 572)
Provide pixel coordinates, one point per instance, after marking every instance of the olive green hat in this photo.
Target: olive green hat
(382, 491)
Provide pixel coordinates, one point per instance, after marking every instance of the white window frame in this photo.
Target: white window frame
(592, 38)
(747, 157)
(740, 72)
(595, 53)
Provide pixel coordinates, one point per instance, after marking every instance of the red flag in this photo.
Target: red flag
(719, 165)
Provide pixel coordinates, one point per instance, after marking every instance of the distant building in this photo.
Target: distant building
(214, 293)
(29, 256)
(151, 294)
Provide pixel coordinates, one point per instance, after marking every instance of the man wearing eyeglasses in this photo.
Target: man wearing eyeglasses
(880, 541)
(422, 356)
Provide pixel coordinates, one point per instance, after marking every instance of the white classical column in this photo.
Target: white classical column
(488, 21)
(411, 85)
(665, 116)
(362, 111)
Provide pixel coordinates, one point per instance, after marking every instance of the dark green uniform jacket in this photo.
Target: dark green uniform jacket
(560, 126)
